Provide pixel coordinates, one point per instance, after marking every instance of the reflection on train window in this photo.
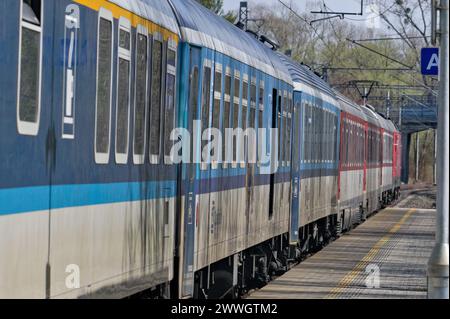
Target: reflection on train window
(123, 93)
(104, 82)
(206, 99)
(155, 113)
(169, 114)
(30, 58)
(124, 39)
(193, 98)
(141, 97)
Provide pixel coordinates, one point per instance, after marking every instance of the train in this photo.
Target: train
(92, 202)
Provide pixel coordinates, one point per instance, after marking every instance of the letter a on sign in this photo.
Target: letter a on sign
(430, 61)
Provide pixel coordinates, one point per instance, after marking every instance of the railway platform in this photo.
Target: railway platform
(385, 257)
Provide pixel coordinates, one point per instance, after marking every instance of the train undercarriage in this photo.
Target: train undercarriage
(236, 275)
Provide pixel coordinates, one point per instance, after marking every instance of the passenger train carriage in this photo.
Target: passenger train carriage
(92, 203)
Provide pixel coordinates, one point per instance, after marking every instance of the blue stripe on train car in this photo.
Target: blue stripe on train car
(32, 199)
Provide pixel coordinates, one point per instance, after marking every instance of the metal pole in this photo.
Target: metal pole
(438, 263)
(417, 155)
(435, 159)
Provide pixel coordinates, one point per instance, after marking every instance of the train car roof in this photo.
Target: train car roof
(200, 26)
(385, 123)
(372, 116)
(304, 78)
(156, 11)
(350, 106)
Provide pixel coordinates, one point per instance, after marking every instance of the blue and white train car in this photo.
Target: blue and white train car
(87, 200)
(315, 157)
(229, 80)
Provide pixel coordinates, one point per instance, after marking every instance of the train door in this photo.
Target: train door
(26, 154)
(248, 118)
(187, 239)
(295, 170)
(273, 144)
(214, 172)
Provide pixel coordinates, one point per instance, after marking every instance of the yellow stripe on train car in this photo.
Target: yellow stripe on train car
(135, 20)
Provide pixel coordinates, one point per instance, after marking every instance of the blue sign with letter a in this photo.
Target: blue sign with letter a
(430, 61)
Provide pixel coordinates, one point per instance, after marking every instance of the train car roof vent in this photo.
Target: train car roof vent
(269, 42)
(253, 33)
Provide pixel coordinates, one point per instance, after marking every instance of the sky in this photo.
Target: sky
(345, 5)
(340, 6)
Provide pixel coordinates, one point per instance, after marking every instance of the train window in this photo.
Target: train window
(261, 105)
(279, 127)
(289, 129)
(314, 134)
(217, 99)
(226, 116)
(104, 83)
(235, 126)
(331, 136)
(318, 134)
(156, 97)
(237, 84)
(30, 68)
(253, 93)
(206, 98)
(305, 125)
(244, 118)
(252, 122)
(347, 142)
(316, 148)
(218, 79)
(140, 101)
(285, 128)
(308, 126)
(237, 87)
(328, 136)
(245, 88)
(193, 92)
(123, 92)
(260, 116)
(228, 82)
(169, 112)
(358, 143)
